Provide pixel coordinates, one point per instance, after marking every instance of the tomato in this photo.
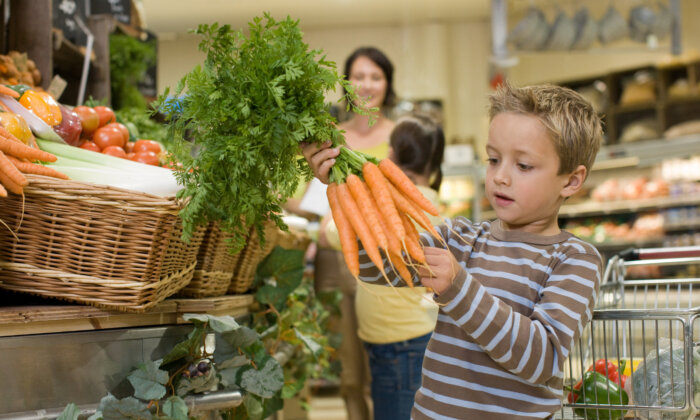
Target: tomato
(144, 145)
(122, 128)
(129, 147)
(89, 119)
(90, 145)
(130, 155)
(106, 115)
(114, 151)
(108, 136)
(148, 157)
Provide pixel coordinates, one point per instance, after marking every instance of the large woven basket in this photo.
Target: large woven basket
(215, 265)
(91, 244)
(250, 257)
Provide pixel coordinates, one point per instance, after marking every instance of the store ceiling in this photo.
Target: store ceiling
(171, 17)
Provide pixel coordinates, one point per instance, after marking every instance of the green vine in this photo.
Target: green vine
(287, 316)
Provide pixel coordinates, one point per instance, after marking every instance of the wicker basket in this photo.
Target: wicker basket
(98, 245)
(250, 257)
(293, 239)
(215, 265)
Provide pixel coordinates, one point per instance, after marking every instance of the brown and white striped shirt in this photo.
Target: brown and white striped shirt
(507, 323)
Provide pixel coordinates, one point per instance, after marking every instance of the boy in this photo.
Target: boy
(514, 293)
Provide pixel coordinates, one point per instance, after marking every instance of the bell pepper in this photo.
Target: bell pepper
(42, 105)
(17, 126)
(596, 389)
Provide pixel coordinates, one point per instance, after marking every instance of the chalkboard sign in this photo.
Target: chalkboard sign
(120, 9)
(65, 15)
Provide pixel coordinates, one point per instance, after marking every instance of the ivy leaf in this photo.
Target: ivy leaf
(230, 377)
(126, 408)
(148, 381)
(71, 412)
(188, 347)
(264, 382)
(311, 344)
(253, 407)
(289, 390)
(220, 324)
(281, 272)
(198, 384)
(234, 362)
(175, 408)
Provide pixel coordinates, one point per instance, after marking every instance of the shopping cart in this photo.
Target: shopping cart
(652, 327)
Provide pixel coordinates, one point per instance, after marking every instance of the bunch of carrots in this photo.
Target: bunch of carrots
(377, 203)
(17, 159)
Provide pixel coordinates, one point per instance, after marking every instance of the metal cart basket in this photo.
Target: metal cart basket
(649, 326)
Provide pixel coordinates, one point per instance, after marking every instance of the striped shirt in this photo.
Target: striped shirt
(506, 324)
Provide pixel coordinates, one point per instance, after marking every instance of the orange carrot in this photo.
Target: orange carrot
(3, 191)
(347, 203)
(33, 168)
(9, 92)
(404, 184)
(379, 186)
(20, 150)
(405, 206)
(412, 241)
(10, 184)
(401, 269)
(360, 193)
(348, 239)
(11, 171)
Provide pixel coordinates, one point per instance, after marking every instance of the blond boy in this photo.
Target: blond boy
(517, 291)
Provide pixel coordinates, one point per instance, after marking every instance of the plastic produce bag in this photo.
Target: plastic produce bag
(660, 381)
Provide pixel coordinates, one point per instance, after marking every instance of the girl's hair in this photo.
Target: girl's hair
(380, 60)
(418, 143)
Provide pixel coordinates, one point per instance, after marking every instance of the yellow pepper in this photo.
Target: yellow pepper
(43, 106)
(17, 126)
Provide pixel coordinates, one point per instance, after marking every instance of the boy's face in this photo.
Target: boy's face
(522, 183)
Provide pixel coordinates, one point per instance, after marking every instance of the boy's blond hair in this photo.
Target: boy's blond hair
(572, 123)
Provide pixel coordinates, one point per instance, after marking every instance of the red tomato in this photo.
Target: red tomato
(108, 136)
(89, 119)
(147, 157)
(130, 155)
(106, 115)
(129, 147)
(114, 151)
(145, 145)
(122, 128)
(90, 145)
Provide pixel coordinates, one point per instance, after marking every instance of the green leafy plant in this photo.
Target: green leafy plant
(239, 118)
(129, 58)
(287, 317)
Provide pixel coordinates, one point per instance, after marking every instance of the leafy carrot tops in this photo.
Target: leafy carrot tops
(239, 121)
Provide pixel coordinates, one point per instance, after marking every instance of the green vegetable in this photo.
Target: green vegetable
(599, 390)
(129, 59)
(239, 119)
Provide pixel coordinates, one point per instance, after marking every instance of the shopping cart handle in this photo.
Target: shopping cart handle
(632, 254)
(629, 254)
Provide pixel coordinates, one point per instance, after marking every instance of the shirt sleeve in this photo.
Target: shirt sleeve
(532, 347)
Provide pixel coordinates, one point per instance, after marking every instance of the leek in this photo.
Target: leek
(97, 168)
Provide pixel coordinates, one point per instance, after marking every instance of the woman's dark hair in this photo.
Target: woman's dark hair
(418, 143)
(380, 60)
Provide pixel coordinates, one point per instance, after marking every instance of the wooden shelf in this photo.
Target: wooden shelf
(49, 318)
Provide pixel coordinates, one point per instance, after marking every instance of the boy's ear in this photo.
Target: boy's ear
(575, 181)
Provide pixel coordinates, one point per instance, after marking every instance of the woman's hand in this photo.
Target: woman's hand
(441, 271)
(321, 158)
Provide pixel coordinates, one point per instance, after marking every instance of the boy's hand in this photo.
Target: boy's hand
(320, 158)
(441, 271)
